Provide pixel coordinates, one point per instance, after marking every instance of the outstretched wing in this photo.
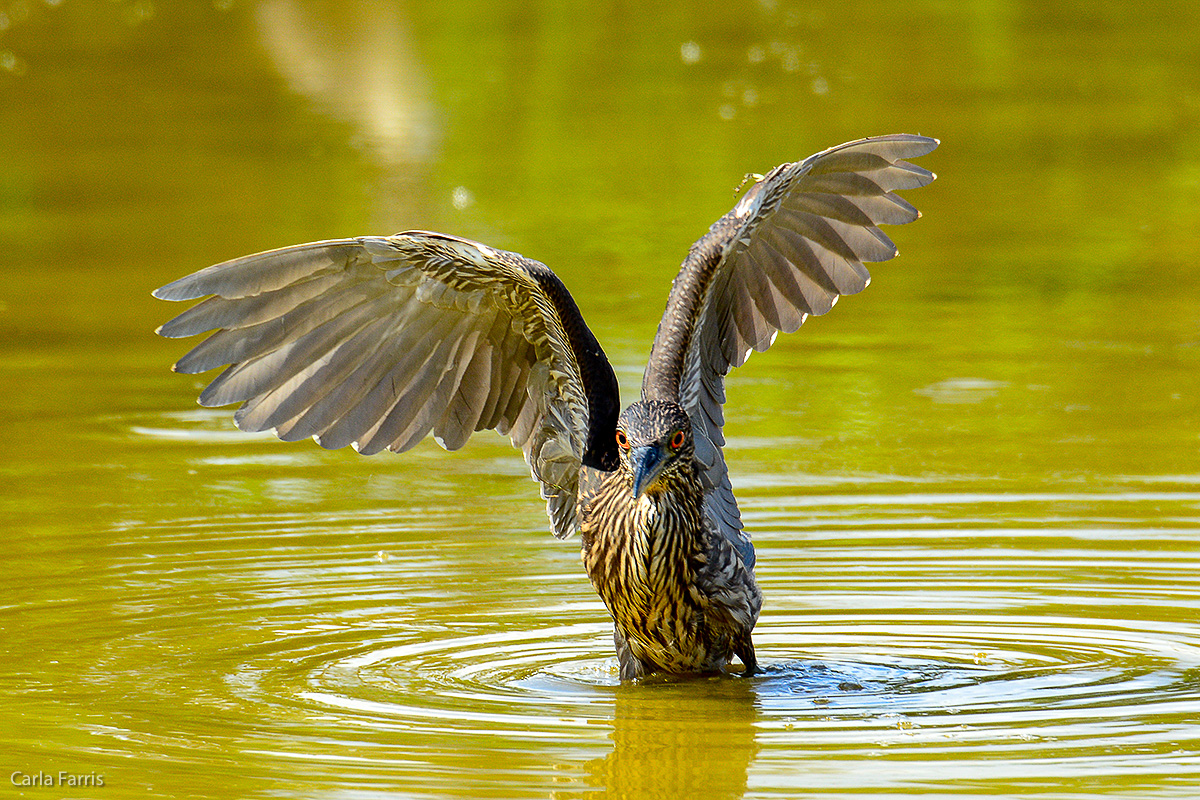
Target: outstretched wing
(374, 342)
(793, 244)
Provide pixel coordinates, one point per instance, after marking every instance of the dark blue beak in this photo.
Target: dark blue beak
(647, 462)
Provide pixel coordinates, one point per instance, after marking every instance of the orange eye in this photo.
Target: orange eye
(622, 441)
(677, 440)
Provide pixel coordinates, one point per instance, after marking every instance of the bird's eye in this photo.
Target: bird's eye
(622, 440)
(677, 440)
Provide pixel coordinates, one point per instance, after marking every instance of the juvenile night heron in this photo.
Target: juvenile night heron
(376, 341)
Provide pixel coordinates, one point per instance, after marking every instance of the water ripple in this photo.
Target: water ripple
(373, 644)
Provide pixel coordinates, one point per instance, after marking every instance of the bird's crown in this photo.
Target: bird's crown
(650, 421)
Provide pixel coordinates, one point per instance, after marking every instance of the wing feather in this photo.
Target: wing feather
(497, 398)
(347, 386)
(420, 396)
(465, 410)
(264, 369)
(286, 403)
(269, 271)
(217, 312)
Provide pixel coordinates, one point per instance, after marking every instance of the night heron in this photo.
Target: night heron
(376, 341)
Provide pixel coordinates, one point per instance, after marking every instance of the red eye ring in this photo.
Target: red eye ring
(677, 440)
(622, 440)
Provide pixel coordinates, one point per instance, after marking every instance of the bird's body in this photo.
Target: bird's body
(681, 597)
(377, 341)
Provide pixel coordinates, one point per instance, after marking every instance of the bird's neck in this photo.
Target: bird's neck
(682, 496)
(656, 535)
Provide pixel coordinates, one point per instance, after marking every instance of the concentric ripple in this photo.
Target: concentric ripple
(989, 670)
(998, 638)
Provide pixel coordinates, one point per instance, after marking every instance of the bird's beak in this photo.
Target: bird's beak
(647, 462)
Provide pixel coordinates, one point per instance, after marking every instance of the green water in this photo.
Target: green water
(974, 488)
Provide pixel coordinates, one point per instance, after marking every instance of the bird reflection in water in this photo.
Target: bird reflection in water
(663, 730)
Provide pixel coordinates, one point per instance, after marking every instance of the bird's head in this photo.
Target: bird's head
(654, 438)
